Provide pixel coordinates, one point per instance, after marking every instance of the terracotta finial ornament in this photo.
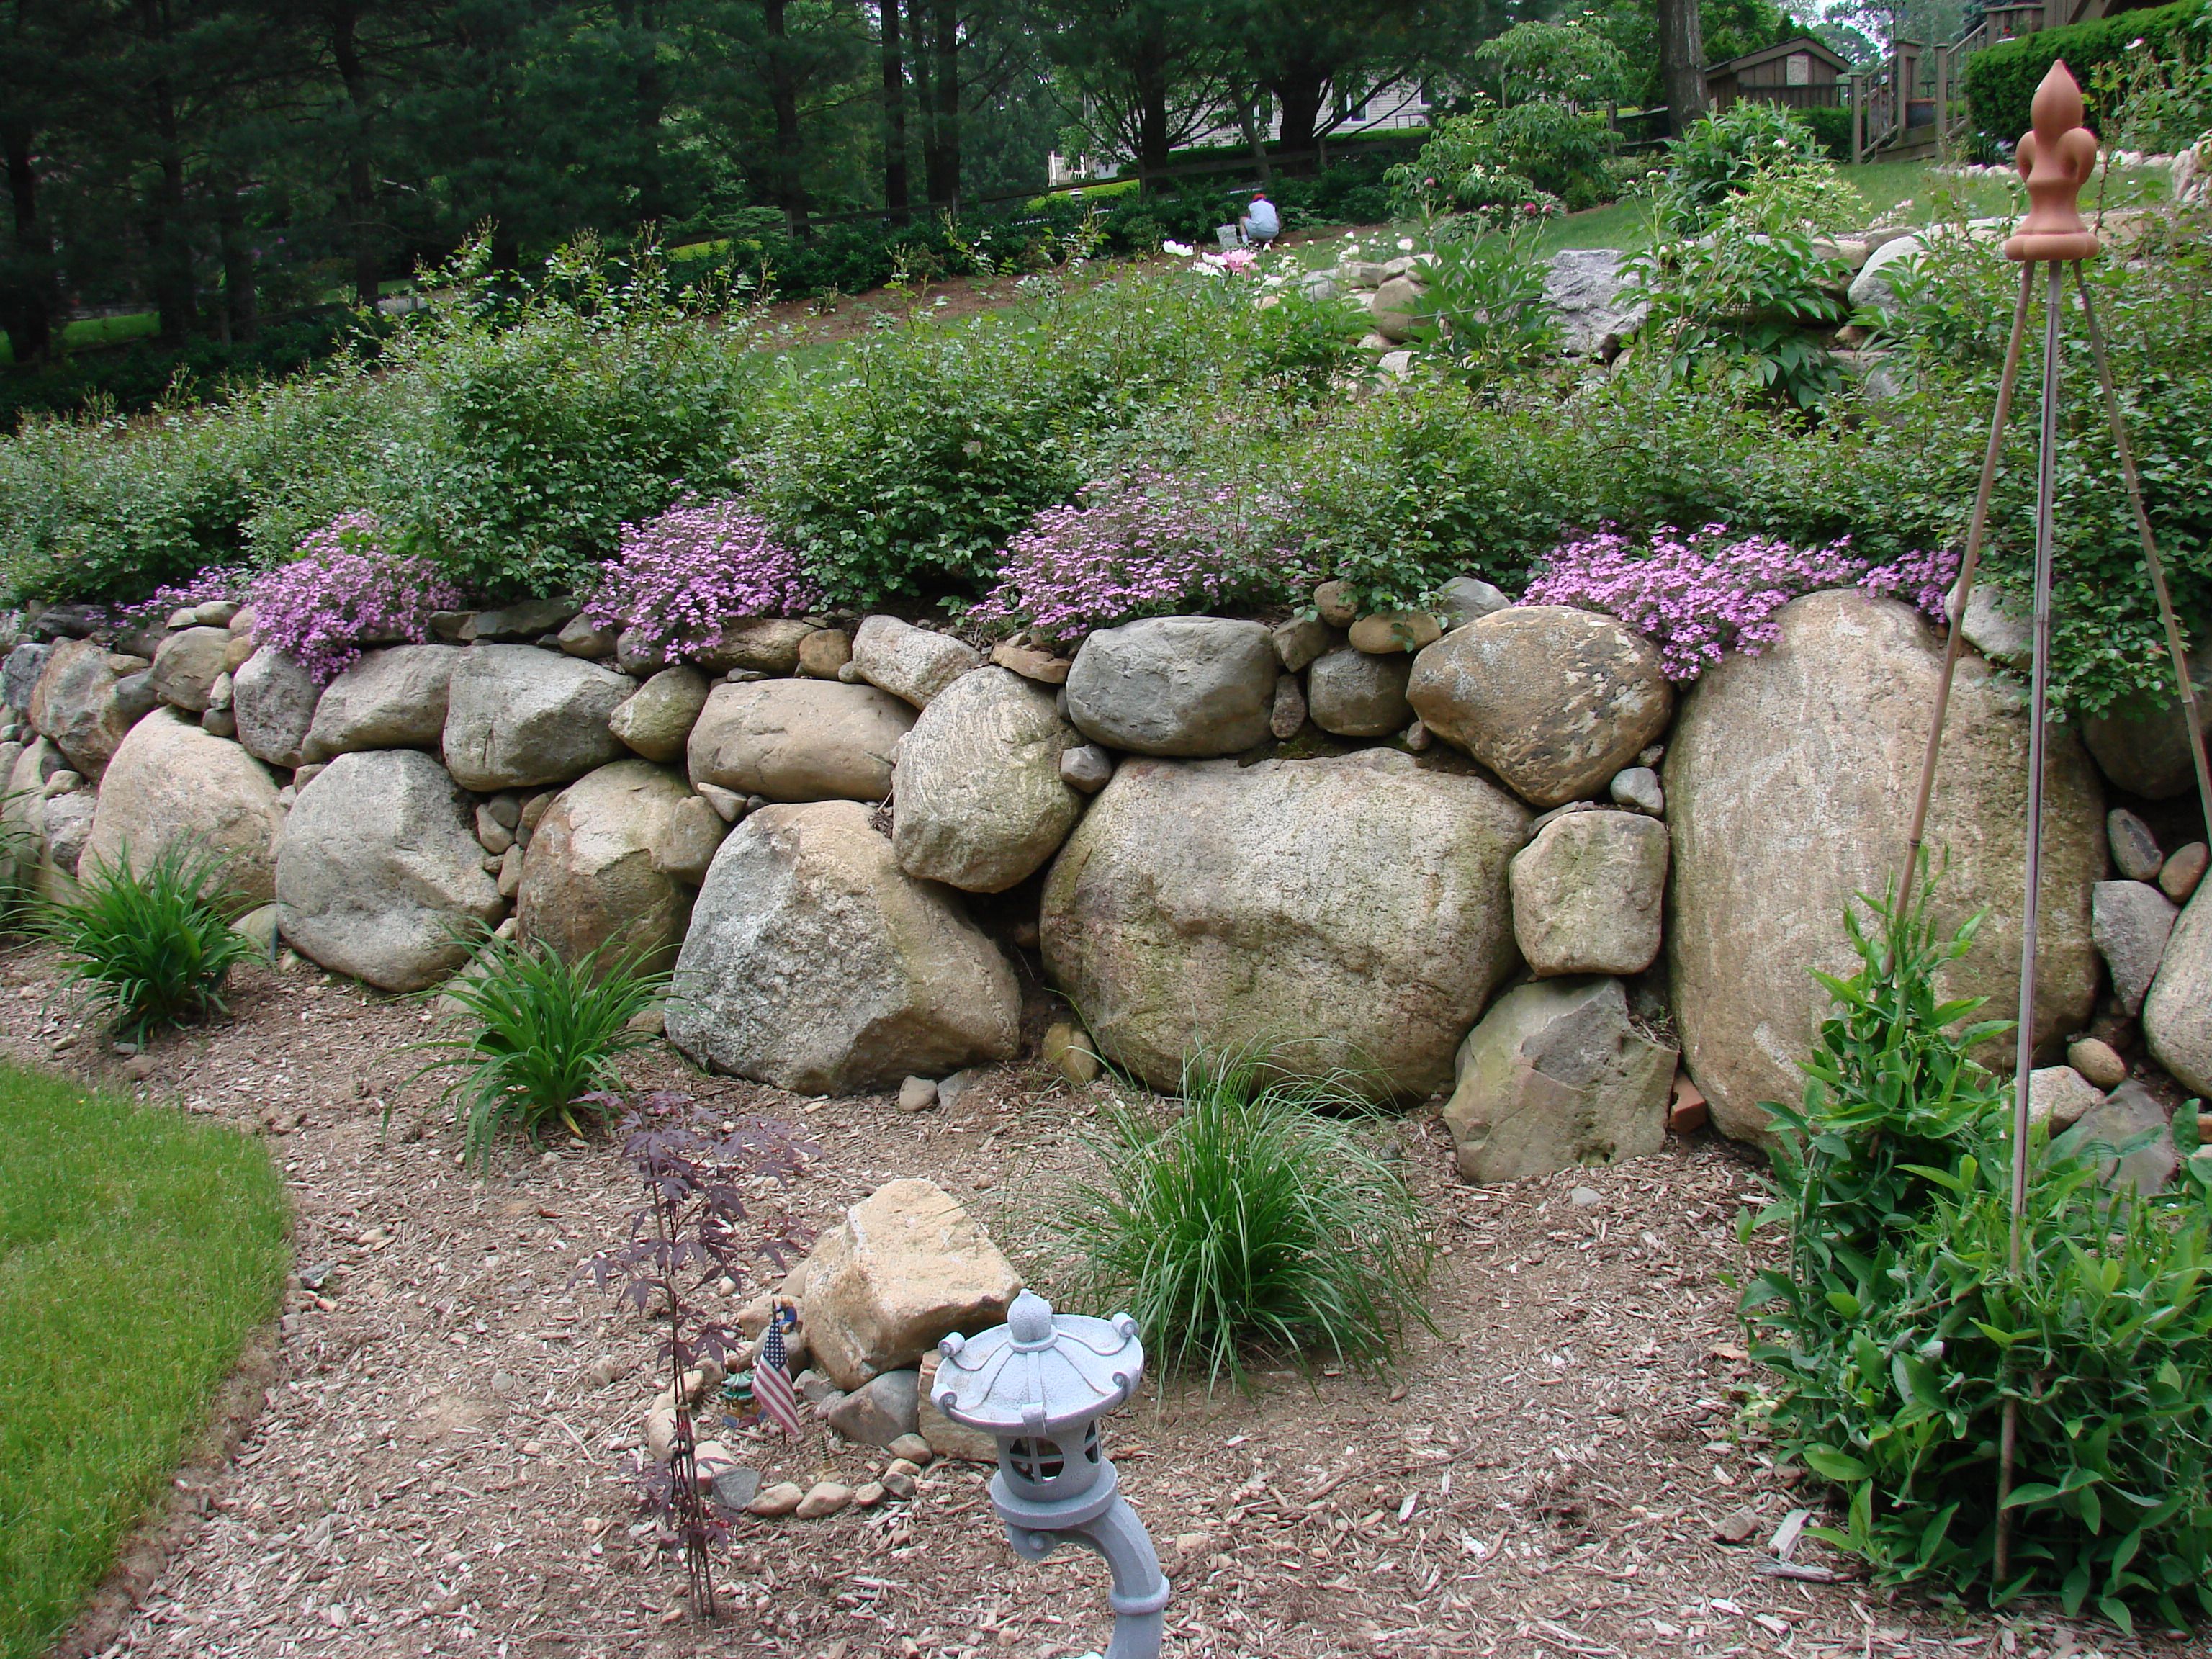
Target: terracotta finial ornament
(2055, 159)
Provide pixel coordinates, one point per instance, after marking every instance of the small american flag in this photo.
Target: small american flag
(772, 1389)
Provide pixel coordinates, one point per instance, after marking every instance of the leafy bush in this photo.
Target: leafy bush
(1486, 312)
(1494, 163)
(150, 947)
(343, 591)
(2160, 102)
(1832, 124)
(1898, 1336)
(1700, 596)
(133, 379)
(536, 1037)
(1726, 155)
(1150, 544)
(1252, 1215)
(2000, 81)
(679, 579)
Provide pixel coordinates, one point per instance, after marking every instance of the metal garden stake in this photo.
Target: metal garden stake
(2056, 160)
(1038, 1384)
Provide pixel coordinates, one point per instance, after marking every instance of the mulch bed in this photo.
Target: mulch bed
(434, 1469)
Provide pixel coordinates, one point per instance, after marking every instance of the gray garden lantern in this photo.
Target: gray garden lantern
(1038, 1384)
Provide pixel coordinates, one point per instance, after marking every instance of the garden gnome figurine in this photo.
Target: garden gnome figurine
(2056, 158)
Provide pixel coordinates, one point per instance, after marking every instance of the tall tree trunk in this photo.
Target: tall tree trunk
(28, 295)
(895, 188)
(169, 236)
(783, 101)
(1301, 93)
(241, 313)
(360, 184)
(1249, 119)
(1154, 78)
(1682, 62)
(940, 158)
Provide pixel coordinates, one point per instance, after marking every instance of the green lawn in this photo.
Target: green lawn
(138, 1251)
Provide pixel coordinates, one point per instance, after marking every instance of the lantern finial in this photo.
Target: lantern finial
(2056, 160)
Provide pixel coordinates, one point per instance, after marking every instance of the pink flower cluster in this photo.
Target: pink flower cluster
(211, 584)
(1701, 595)
(1150, 545)
(677, 580)
(345, 590)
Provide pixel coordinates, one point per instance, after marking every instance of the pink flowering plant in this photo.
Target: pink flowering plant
(346, 590)
(209, 585)
(677, 580)
(1150, 544)
(1698, 596)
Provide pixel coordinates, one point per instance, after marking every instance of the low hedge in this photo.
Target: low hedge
(2001, 80)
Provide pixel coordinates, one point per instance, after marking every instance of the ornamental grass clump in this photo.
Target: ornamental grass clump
(1896, 1333)
(680, 579)
(1698, 596)
(1254, 1215)
(344, 592)
(1152, 545)
(151, 947)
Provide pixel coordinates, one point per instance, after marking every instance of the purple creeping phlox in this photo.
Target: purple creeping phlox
(209, 585)
(1698, 596)
(345, 590)
(679, 579)
(1151, 545)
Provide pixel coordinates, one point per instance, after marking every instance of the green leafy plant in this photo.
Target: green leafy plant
(1999, 82)
(1486, 313)
(533, 1038)
(1746, 145)
(151, 947)
(1252, 1214)
(1897, 1335)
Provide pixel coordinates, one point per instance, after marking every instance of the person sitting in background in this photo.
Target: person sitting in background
(1262, 225)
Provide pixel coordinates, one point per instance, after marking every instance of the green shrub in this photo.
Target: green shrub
(1486, 312)
(1251, 1216)
(1724, 155)
(534, 1037)
(1832, 124)
(2000, 81)
(1898, 1336)
(150, 947)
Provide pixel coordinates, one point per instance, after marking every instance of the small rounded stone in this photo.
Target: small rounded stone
(2098, 1062)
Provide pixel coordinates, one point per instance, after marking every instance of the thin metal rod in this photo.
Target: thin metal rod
(1968, 566)
(2046, 480)
(2151, 561)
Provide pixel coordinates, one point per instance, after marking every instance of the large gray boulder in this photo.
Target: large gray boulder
(1589, 893)
(172, 782)
(816, 964)
(1191, 686)
(78, 706)
(2177, 1014)
(2130, 922)
(798, 740)
(1341, 913)
(1789, 778)
(2143, 747)
(596, 871)
(979, 801)
(273, 699)
(657, 722)
(187, 664)
(1359, 694)
(391, 699)
(913, 663)
(379, 870)
(1553, 699)
(20, 674)
(1875, 284)
(516, 716)
(1592, 301)
(1556, 1075)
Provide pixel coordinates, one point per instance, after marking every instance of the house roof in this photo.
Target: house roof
(1804, 43)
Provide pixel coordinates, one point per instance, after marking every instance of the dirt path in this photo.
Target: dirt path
(437, 1470)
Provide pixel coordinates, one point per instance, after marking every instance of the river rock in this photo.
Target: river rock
(525, 619)
(2058, 1097)
(980, 801)
(1397, 306)
(1193, 686)
(2135, 849)
(75, 704)
(1359, 694)
(1086, 768)
(1464, 599)
(1556, 1075)
(2178, 1013)
(1552, 699)
(187, 666)
(1791, 776)
(765, 645)
(798, 740)
(2179, 877)
(396, 698)
(519, 716)
(824, 652)
(881, 1410)
(1873, 285)
(173, 782)
(1343, 913)
(2130, 920)
(906, 1267)
(814, 963)
(1588, 894)
(378, 869)
(657, 722)
(273, 698)
(20, 673)
(2143, 745)
(593, 875)
(909, 662)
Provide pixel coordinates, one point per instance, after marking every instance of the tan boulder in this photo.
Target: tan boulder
(979, 803)
(798, 740)
(75, 704)
(595, 875)
(172, 782)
